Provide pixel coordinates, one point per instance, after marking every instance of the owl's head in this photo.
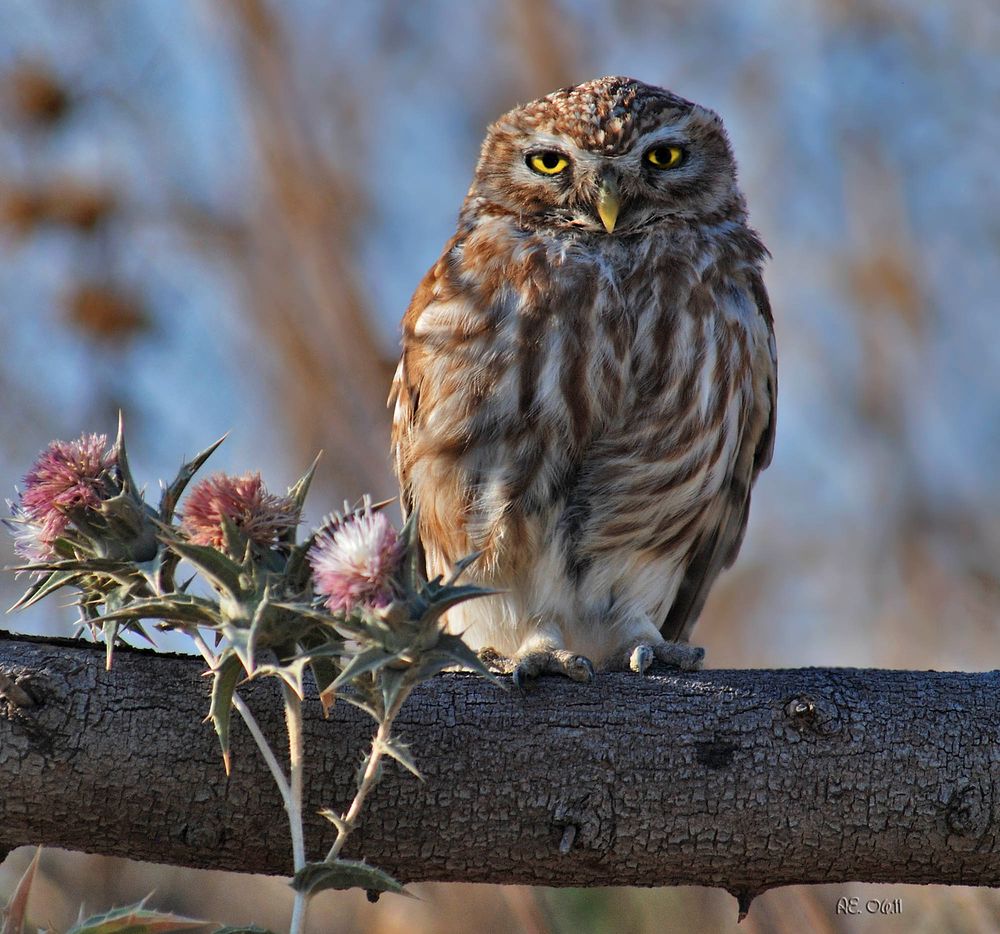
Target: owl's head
(610, 156)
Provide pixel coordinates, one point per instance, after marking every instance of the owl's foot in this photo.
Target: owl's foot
(675, 654)
(529, 666)
(492, 659)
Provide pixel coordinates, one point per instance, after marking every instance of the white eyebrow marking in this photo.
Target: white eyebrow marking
(676, 131)
(563, 142)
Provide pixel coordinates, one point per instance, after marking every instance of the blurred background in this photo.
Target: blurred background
(212, 215)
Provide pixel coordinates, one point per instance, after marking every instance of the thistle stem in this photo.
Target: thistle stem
(293, 804)
(368, 780)
(265, 750)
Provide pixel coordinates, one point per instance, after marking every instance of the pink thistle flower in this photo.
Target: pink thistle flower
(28, 541)
(67, 475)
(261, 516)
(355, 562)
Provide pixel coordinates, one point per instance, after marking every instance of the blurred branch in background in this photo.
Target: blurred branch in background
(332, 375)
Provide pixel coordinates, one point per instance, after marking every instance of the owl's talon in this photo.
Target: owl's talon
(581, 669)
(522, 679)
(641, 658)
(680, 655)
(495, 662)
(558, 661)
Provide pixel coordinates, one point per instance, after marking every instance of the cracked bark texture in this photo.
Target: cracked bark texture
(740, 779)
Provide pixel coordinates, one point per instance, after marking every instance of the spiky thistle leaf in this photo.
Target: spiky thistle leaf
(401, 752)
(220, 571)
(135, 919)
(121, 457)
(172, 494)
(45, 585)
(344, 874)
(225, 677)
(297, 493)
(369, 660)
(174, 607)
(14, 914)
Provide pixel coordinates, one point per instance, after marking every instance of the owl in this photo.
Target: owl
(586, 393)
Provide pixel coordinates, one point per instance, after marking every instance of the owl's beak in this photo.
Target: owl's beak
(608, 203)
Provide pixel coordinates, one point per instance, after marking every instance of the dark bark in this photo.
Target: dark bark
(740, 779)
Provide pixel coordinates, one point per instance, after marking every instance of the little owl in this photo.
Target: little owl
(586, 393)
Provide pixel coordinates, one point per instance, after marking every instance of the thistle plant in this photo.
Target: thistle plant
(348, 606)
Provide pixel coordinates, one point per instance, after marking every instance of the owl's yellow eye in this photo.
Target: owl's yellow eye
(548, 163)
(665, 157)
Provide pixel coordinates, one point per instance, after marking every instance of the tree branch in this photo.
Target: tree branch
(740, 779)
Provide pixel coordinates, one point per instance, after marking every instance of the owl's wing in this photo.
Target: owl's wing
(718, 546)
(404, 397)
